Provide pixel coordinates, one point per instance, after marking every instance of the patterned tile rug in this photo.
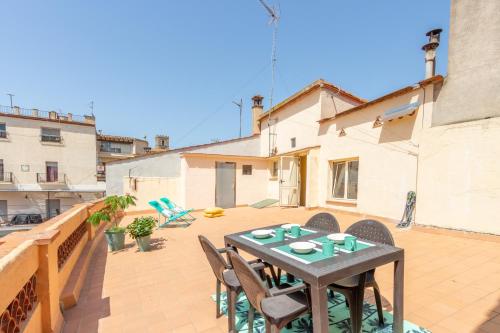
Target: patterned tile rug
(339, 318)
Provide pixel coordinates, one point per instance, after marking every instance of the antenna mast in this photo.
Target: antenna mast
(274, 19)
(240, 106)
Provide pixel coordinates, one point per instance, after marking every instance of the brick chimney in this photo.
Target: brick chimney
(430, 52)
(257, 110)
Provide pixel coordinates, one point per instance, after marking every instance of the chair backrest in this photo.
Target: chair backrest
(215, 259)
(156, 205)
(167, 202)
(371, 230)
(251, 283)
(324, 222)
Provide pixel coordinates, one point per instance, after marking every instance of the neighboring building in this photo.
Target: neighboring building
(112, 148)
(47, 161)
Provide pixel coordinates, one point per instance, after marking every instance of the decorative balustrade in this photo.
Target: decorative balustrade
(18, 310)
(44, 270)
(66, 248)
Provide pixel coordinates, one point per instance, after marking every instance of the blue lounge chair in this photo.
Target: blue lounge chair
(169, 215)
(187, 217)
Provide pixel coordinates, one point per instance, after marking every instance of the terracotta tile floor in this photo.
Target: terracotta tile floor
(452, 283)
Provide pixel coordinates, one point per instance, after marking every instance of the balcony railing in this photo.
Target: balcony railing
(44, 178)
(111, 150)
(51, 138)
(5, 177)
(35, 113)
(3, 134)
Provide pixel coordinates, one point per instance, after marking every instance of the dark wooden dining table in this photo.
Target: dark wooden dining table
(318, 275)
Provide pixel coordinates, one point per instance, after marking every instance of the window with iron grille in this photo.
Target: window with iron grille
(247, 170)
(51, 134)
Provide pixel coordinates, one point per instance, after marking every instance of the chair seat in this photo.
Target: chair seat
(280, 309)
(353, 281)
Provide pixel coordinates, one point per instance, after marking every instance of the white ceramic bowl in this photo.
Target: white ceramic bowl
(302, 247)
(289, 226)
(262, 233)
(337, 238)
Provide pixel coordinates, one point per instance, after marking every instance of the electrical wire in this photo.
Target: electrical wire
(227, 101)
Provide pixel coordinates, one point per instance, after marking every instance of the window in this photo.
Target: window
(3, 131)
(274, 170)
(52, 172)
(293, 142)
(109, 147)
(247, 170)
(344, 180)
(4, 215)
(51, 134)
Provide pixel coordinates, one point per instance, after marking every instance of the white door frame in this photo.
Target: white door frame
(292, 184)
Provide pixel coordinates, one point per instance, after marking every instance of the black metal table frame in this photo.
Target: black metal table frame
(318, 275)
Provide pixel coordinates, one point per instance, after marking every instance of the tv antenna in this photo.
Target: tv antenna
(240, 106)
(273, 20)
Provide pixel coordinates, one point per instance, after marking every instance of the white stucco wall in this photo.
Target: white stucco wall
(459, 180)
(169, 164)
(299, 120)
(199, 180)
(151, 188)
(76, 154)
(387, 155)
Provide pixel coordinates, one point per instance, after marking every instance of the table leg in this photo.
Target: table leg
(398, 301)
(319, 302)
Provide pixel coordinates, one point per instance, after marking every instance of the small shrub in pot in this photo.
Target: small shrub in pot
(140, 230)
(113, 206)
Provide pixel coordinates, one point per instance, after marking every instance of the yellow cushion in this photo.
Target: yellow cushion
(213, 215)
(214, 210)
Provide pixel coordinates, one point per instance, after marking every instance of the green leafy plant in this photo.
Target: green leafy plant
(141, 227)
(112, 206)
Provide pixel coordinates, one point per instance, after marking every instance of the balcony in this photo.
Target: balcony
(114, 150)
(6, 177)
(51, 138)
(44, 178)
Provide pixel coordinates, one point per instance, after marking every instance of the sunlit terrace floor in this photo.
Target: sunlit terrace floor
(452, 283)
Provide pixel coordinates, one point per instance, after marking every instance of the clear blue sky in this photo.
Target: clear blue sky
(174, 67)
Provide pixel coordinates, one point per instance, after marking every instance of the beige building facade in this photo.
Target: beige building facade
(325, 147)
(113, 148)
(47, 162)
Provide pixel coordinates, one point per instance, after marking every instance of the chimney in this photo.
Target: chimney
(257, 110)
(430, 52)
(161, 142)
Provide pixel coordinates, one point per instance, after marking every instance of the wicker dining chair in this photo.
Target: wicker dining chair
(225, 275)
(325, 222)
(350, 287)
(278, 305)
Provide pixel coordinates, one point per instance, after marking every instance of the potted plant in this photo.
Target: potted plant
(141, 230)
(114, 205)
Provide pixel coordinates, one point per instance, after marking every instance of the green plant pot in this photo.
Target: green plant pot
(144, 243)
(116, 240)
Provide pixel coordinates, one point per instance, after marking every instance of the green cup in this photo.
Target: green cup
(295, 231)
(280, 234)
(328, 248)
(351, 243)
